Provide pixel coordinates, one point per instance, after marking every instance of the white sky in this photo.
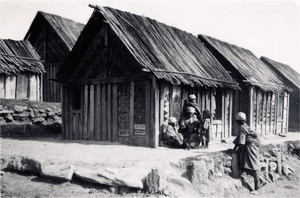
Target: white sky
(267, 28)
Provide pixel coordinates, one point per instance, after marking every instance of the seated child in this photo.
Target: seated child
(171, 136)
(205, 128)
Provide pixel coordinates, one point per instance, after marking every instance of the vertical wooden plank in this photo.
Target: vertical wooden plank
(199, 99)
(251, 107)
(103, 114)
(91, 114)
(98, 113)
(148, 111)
(109, 121)
(67, 120)
(81, 122)
(41, 87)
(212, 102)
(288, 112)
(155, 113)
(207, 99)
(267, 113)
(70, 112)
(257, 109)
(276, 112)
(2, 87)
(223, 114)
(203, 99)
(74, 125)
(230, 113)
(63, 116)
(263, 109)
(285, 105)
(85, 112)
(114, 112)
(131, 112)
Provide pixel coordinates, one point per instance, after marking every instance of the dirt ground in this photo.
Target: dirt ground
(101, 154)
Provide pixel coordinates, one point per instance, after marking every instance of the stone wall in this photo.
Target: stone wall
(29, 118)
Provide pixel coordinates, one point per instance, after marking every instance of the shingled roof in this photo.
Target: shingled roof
(286, 71)
(67, 29)
(19, 57)
(171, 54)
(251, 68)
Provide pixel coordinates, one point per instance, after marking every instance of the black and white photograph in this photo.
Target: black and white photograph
(150, 98)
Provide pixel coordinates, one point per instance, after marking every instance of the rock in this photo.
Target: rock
(3, 162)
(43, 115)
(113, 190)
(24, 164)
(247, 181)
(224, 141)
(9, 118)
(279, 164)
(123, 191)
(290, 148)
(273, 177)
(60, 172)
(19, 109)
(273, 159)
(21, 116)
(199, 173)
(48, 109)
(38, 120)
(50, 114)
(286, 169)
(227, 161)
(156, 181)
(31, 115)
(267, 155)
(42, 111)
(126, 177)
(272, 166)
(282, 135)
(227, 170)
(1, 107)
(273, 151)
(210, 166)
(4, 112)
(219, 169)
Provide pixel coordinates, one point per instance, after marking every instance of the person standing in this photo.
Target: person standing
(205, 128)
(247, 147)
(191, 102)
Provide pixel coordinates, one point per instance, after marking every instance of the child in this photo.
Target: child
(205, 128)
(171, 136)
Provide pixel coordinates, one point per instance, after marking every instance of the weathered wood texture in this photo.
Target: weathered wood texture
(268, 111)
(21, 86)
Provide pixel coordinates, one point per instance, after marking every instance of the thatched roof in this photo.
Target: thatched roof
(171, 54)
(251, 68)
(68, 30)
(286, 71)
(19, 57)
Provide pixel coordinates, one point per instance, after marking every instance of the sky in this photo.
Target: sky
(268, 28)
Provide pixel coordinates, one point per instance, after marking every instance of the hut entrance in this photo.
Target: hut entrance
(131, 113)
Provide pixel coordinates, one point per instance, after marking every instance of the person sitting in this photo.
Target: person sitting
(189, 128)
(205, 128)
(171, 136)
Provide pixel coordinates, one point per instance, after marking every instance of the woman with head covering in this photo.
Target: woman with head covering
(247, 147)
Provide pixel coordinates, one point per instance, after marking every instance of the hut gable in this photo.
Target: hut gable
(19, 57)
(250, 68)
(67, 30)
(167, 52)
(288, 73)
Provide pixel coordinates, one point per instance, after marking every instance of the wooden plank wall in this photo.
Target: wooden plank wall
(21, 87)
(264, 107)
(172, 100)
(51, 89)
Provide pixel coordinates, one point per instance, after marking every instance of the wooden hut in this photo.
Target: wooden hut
(127, 74)
(292, 79)
(263, 97)
(53, 37)
(21, 70)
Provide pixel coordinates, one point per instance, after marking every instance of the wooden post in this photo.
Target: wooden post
(103, 115)
(211, 110)
(91, 113)
(98, 113)
(230, 113)
(67, 120)
(288, 112)
(251, 109)
(154, 113)
(85, 112)
(115, 112)
(148, 111)
(223, 114)
(131, 116)
(109, 123)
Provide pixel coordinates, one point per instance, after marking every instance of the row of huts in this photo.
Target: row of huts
(121, 76)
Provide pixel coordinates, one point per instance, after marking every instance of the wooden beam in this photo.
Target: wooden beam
(98, 113)
(251, 109)
(85, 112)
(288, 112)
(109, 113)
(223, 114)
(155, 112)
(131, 113)
(148, 111)
(115, 112)
(103, 115)
(91, 118)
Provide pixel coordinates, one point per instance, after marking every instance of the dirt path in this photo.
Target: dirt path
(101, 154)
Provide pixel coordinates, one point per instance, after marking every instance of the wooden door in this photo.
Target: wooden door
(131, 113)
(282, 114)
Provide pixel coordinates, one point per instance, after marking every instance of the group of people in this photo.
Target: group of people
(194, 131)
(193, 128)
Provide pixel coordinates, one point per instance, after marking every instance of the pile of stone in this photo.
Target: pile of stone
(21, 114)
